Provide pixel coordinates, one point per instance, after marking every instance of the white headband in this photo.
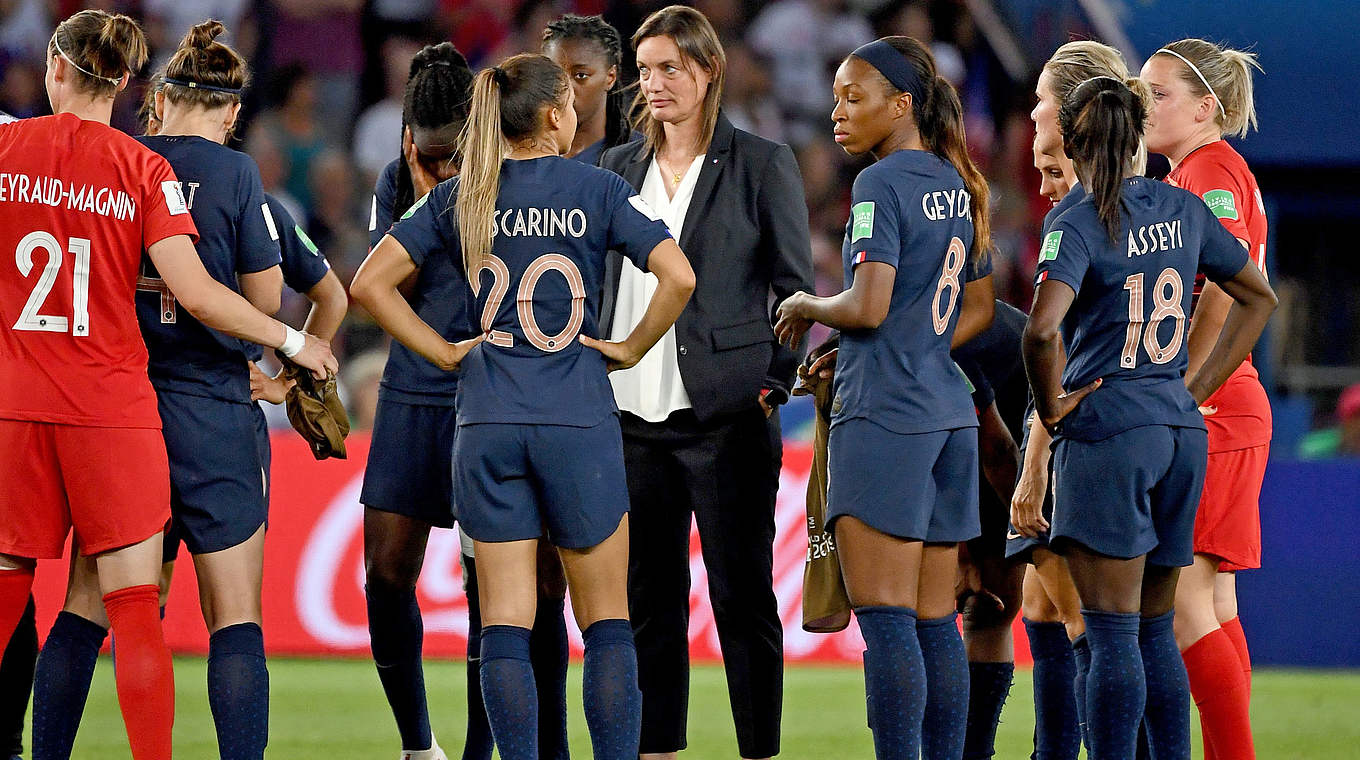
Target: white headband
(1202, 80)
(62, 53)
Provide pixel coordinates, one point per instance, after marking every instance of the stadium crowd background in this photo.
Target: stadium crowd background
(322, 117)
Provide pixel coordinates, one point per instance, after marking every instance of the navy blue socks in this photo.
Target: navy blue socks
(396, 636)
(548, 651)
(946, 662)
(62, 682)
(1081, 657)
(238, 691)
(989, 683)
(1167, 714)
(1115, 688)
(613, 701)
(894, 680)
(508, 691)
(1057, 733)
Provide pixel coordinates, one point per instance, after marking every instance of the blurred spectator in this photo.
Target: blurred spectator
(25, 26)
(338, 224)
(747, 98)
(377, 134)
(1342, 440)
(477, 27)
(359, 378)
(268, 154)
(323, 37)
(294, 126)
(21, 90)
(805, 40)
(166, 22)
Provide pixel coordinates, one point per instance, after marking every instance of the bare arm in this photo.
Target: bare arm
(375, 287)
(675, 283)
(863, 306)
(329, 304)
(1027, 504)
(1253, 302)
(264, 289)
(218, 307)
(1044, 359)
(1000, 456)
(977, 311)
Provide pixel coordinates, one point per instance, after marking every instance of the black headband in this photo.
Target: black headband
(201, 86)
(894, 67)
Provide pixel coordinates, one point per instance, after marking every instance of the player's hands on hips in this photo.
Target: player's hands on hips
(453, 357)
(316, 356)
(618, 354)
(792, 325)
(1027, 504)
(271, 389)
(1063, 405)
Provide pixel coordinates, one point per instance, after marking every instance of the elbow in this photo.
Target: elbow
(871, 315)
(362, 289)
(684, 282)
(1037, 336)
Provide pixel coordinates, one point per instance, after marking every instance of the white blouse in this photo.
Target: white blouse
(652, 389)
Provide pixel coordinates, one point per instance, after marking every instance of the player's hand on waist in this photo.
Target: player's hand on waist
(456, 352)
(618, 354)
(1056, 409)
(266, 388)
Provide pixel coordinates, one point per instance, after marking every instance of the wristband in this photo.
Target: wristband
(293, 341)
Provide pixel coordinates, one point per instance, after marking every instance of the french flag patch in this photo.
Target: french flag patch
(1042, 276)
(859, 258)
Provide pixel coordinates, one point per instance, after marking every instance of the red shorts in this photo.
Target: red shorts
(1228, 524)
(111, 484)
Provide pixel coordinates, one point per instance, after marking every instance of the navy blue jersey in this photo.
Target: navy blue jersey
(1129, 320)
(440, 297)
(1072, 198)
(237, 235)
(909, 210)
(303, 265)
(993, 363)
(555, 218)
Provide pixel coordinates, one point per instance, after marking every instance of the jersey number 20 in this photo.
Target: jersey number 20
(524, 301)
(1166, 300)
(30, 318)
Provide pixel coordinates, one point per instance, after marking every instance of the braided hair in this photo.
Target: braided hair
(438, 92)
(602, 33)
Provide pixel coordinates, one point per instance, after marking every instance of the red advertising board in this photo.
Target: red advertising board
(314, 576)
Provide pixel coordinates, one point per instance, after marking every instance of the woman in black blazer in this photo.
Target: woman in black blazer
(701, 435)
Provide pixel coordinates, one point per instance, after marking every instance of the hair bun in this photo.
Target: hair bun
(202, 35)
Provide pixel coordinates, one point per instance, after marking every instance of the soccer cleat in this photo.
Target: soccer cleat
(433, 753)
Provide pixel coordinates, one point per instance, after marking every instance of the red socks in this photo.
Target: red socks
(1220, 691)
(15, 586)
(143, 671)
(1239, 639)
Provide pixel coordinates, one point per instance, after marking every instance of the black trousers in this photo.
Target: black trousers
(725, 473)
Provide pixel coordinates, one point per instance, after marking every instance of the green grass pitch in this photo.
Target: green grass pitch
(334, 710)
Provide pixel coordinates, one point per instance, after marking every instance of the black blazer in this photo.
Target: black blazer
(746, 236)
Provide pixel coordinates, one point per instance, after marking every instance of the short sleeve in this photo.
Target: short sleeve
(303, 264)
(1223, 194)
(257, 237)
(981, 390)
(1063, 256)
(634, 227)
(426, 228)
(380, 207)
(1221, 255)
(978, 267)
(875, 229)
(166, 213)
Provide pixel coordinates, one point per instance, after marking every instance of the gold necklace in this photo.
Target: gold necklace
(675, 175)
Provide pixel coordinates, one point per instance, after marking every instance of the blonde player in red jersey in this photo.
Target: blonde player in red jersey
(79, 202)
(1201, 93)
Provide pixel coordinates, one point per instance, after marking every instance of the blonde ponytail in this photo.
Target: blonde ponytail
(1228, 74)
(484, 148)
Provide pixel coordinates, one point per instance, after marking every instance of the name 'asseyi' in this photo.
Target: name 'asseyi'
(1155, 238)
(539, 222)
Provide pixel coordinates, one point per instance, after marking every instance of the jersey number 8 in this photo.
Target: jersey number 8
(1166, 299)
(524, 301)
(30, 318)
(949, 280)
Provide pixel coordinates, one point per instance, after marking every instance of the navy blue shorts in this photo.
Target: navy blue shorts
(1133, 493)
(409, 462)
(218, 480)
(1020, 547)
(922, 486)
(174, 534)
(514, 481)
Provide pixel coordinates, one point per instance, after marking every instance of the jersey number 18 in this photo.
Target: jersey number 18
(1166, 299)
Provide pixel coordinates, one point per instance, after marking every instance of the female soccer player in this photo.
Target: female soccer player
(590, 50)
(538, 443)
(74, 395)
(1052, 609)
(903, 444)
(1202, 94)
(1131, 446)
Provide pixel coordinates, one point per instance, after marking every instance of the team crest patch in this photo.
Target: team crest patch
(1222, 203)
(174, 198)
(306, 241)
(971, 388)
(1049, 250)
(644, 208)
(415, 206)
(861, 220)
